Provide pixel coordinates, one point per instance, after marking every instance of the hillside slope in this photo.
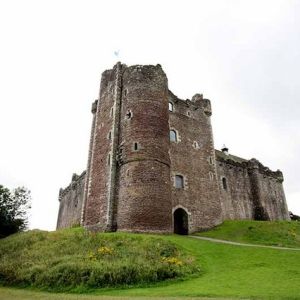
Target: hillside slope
(279, 233)
(227, 271)
(77, 259)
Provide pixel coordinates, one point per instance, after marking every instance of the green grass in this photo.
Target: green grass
(279, 233)
(233, 272)
(78, 260)
(18, 294)
(227, 271)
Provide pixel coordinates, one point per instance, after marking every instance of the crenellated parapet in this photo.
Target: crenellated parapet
(195, 107)
(94, 106)
(253, 163)
(76, 179)
(203, 103)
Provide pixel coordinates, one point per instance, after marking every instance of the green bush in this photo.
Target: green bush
(73, 258)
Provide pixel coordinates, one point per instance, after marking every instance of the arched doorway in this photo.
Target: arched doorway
(181, 221)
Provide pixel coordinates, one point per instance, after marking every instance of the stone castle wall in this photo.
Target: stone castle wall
(267, 190)
(193, 157)
(235, 187)
(71, 199)
(132, 165)
(248, 190)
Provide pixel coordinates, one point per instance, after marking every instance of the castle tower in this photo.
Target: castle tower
(128, 176)
(194, 181)
(100, 186)
(144, 198)
(269, 201)
(152, 166)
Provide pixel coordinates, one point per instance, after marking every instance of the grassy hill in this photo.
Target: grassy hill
(81, 260)
(279, 233)
(226, 271)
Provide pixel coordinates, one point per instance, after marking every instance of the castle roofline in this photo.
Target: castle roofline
(223, 156)
(250, 163)
(132, 67)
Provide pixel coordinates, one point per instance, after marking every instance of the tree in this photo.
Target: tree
(14, 206)
(294, 217)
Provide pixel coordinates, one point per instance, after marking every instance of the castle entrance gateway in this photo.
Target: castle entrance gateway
(181, 221)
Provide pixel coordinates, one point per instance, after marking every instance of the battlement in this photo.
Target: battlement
(94, 106)
(196, 107)
(248, 164)
(76, 179)
(256, 164)
(134, 79)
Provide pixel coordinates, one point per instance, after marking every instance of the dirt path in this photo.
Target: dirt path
(241, 244)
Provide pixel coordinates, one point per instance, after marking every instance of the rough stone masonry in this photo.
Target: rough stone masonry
(152, 165)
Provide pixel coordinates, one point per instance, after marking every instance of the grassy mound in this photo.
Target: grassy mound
(228, 271)
(279, 233)
(77, 259)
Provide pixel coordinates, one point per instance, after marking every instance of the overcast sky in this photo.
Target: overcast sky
(242, 55)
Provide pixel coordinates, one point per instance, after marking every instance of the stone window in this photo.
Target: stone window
(173, 136)
(171, 106)
(210, 160)
(111, 112)
(136, 146)
(188, 113)
(224, 183)
(109, 135)
(179, 182)
(211, 176)
(125, 92)
(128, 115)
(195, 145)
(108, 159)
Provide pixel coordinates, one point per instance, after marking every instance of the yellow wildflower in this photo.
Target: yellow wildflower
(172, 261)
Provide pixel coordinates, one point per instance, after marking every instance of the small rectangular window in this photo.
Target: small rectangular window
(195, 145)
(224, 183)
(179, 183)
(128, 114)
(173, 136)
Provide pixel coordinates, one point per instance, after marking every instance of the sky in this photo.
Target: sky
(242, 55)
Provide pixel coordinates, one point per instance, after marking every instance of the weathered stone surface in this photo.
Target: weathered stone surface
(253, 190)
(144, 192)
(70, 205)
(130, 183)
(193, 157)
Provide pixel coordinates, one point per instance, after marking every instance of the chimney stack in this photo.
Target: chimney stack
(225, 150)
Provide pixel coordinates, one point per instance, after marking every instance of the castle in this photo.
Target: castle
(152, 165)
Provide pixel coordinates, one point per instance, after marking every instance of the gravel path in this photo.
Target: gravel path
(241, 244)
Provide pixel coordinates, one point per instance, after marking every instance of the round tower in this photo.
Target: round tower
(144, 192)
